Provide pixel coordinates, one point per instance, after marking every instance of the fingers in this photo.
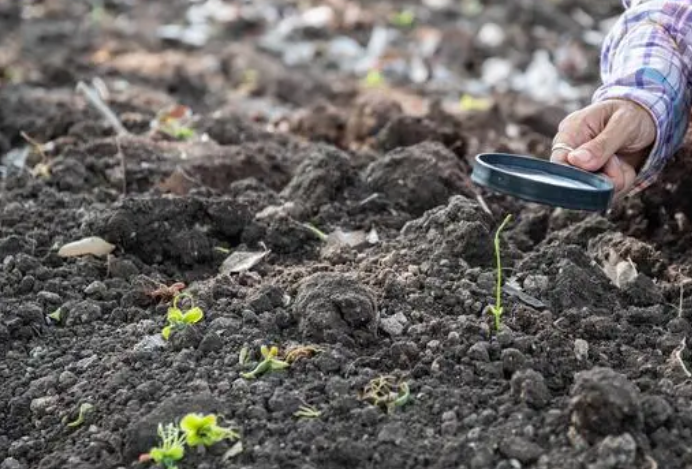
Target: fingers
(620, 173)
(595, 153)
(565, 141)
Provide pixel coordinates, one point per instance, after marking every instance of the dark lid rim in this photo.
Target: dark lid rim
(596, 197)
(584, 176)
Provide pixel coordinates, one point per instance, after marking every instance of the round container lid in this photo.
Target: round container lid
(542, 181)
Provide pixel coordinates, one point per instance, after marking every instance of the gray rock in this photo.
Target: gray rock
(11, 463)
(83, 312)
(656, 411)
(512, 360)
(528, 386)
(97, 289)
(42, 405)
(617, 452)
(394, 432)
(521, 449)
(394, 325)
(67, 379)
(49, 297)
(479, 351)
(211, 342)
(150, 343)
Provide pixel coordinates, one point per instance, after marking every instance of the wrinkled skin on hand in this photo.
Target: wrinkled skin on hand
(613, 137)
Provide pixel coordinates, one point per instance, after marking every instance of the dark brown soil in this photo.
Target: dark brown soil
(583, 373)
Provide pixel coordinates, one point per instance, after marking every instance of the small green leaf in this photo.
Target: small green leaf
(175, 315)
(193, 315)
(277, 364)
(56, 315)
(242, 358)
(84, 410)
(166, 332)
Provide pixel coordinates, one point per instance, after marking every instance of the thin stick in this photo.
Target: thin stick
(95, 100)
(678, 356)
(483, 204)
(123, 165)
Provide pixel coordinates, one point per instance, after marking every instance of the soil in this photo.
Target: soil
(587, 371)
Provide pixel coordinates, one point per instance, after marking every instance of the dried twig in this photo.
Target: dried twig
(677, 353)
(95, 100)
(94, 97)
(483, 204)
(123, 165)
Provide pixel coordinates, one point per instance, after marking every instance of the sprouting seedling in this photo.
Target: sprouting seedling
(178, 320)
(84, 410)
(56, 316)
(317, 232)
(171, 449)
(300, 351)
(204, 430)
(403, 19)
(174, 121)
(374, 79)
(383, 391)
(307, 411)
(243, 356)
(496, 309)
(270, 362)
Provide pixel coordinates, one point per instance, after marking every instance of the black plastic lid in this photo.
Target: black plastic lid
(542, 181)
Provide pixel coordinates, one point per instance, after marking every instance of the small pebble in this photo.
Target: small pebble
(479, 351)
(49, 297)
(394, 432)
(581, 349)
(97, 288)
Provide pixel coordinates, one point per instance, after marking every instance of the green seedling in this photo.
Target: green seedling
(374, 79)
(307, 411)
(84, 410)
(243, 356)
(174, 121)
(314, 230)
(178, 320)
(203, 430)
(496, 310)
(270, 362)
(403, 19)
(383, 391)
(56, 316)
(171, 449)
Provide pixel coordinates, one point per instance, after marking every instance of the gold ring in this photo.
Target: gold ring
(561, 146)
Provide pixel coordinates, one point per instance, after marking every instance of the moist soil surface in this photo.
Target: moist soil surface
(366, 240)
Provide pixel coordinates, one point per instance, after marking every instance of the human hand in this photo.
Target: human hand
(613, 137)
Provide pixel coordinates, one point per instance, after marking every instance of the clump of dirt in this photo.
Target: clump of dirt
(418, 178)
(333, 308)
(457, 230)
(176, 230)
(605, 403)
(320, 178)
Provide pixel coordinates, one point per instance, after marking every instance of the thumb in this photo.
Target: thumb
(594, 154)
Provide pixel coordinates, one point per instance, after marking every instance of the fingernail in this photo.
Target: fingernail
(581, 156)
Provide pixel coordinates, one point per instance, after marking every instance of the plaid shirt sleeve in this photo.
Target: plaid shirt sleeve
(647, 58)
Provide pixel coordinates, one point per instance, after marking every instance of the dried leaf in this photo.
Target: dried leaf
(620, 272)
(241, 261)
(92, 245)
(234, 451)
(350, 238)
